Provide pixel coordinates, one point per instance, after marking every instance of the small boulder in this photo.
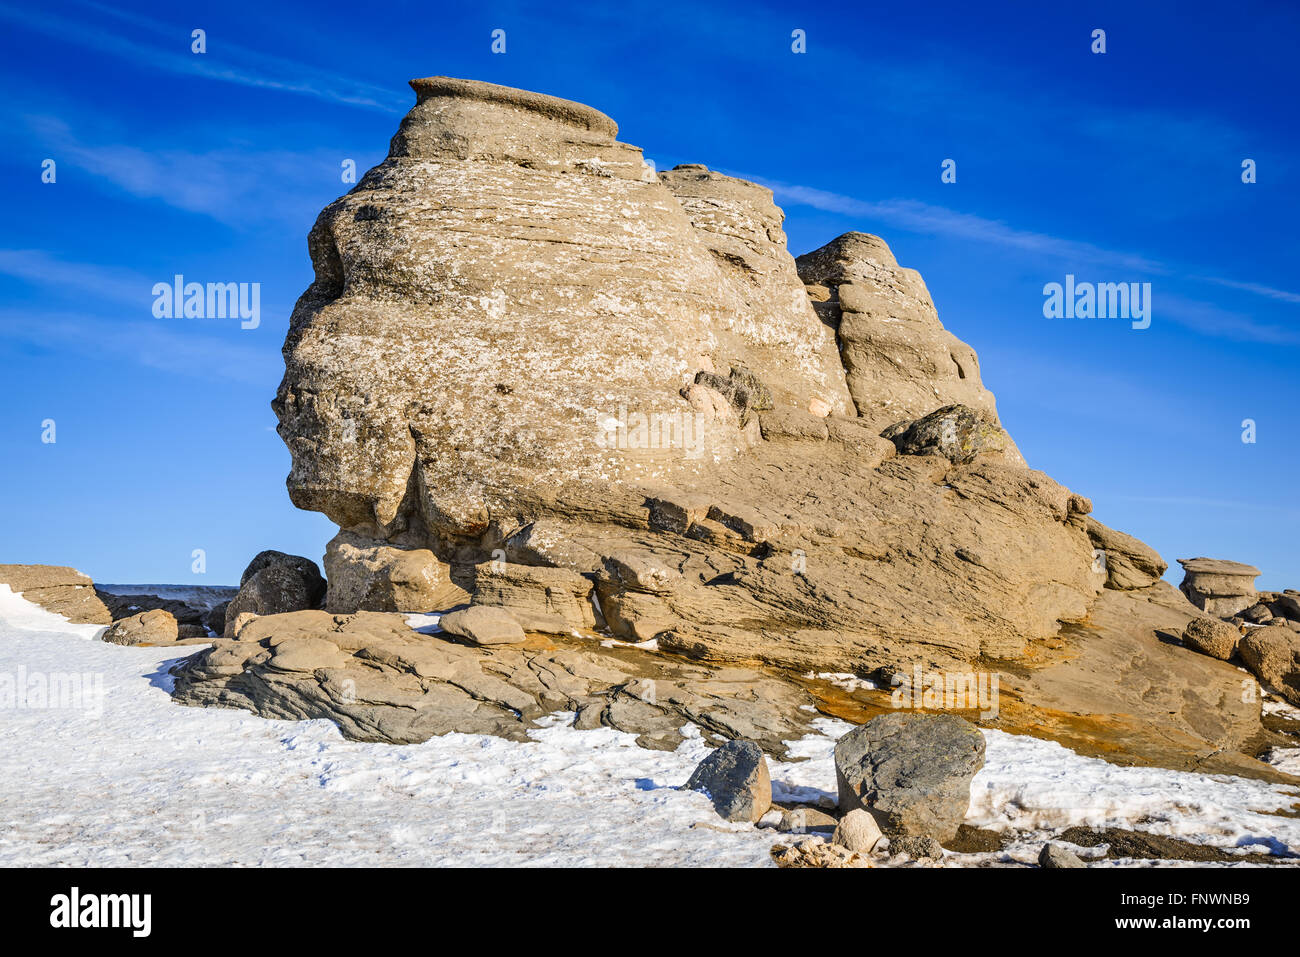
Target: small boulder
(155, 627)
(1211, 637)
(483, 625)
(313, 581)
(1272, 654)
(912, 771)
(806, 820)
(370, 575)
(816, 853)
(957, 432)
(917, 848)
(858, 831)
(1054, 856)
(736, 779)
(272, 590)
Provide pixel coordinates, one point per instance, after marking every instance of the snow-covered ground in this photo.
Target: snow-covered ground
(121, 775)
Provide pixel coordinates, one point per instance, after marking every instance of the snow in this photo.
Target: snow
(136, 779)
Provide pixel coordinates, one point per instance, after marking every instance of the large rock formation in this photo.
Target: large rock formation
(531, 373)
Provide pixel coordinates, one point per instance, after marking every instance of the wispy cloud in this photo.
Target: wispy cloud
(187, 350)
(235, 185)
(926, 219)
(99, 283)
(226, 62)
(1257, 288)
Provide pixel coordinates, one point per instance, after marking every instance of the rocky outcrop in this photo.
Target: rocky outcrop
(900, 363)
(1129, 563)
(1218, 587)
(537, 379)
(912, 772)
(58, 589)
(380, 680)
(566, 357)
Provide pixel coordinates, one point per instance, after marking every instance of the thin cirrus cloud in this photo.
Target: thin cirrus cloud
(236, 186)
(923, 218)
(238, 65)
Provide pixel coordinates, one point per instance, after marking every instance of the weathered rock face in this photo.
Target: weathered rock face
(522, 346)
(494, 298)
(1218, 587)
(900, 361)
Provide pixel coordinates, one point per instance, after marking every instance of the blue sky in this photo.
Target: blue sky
(1118, 167)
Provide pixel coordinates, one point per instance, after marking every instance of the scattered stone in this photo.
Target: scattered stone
(1212, 637)
(309, 571)
(483, 625)
(215, 619)
(816, 853)
(1218, 587)
(857, 831)
(154, 627)
(917, 848)
(1055, 856)
(911, 771)
(1258, 613)
(736, 779)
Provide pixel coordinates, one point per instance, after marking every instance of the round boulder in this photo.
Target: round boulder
(913, 772)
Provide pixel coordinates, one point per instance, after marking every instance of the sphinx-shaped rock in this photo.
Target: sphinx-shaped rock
(511, 302)
(596, 398)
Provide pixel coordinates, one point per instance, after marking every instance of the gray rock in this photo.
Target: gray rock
(1054, 856)
(911, 771)
(736, 779)
(957, 432)
(1258, 613)
(1212, 637)
(272, 590)
(215, 619)
(483, 625)
(308, 570)
(917, 848)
